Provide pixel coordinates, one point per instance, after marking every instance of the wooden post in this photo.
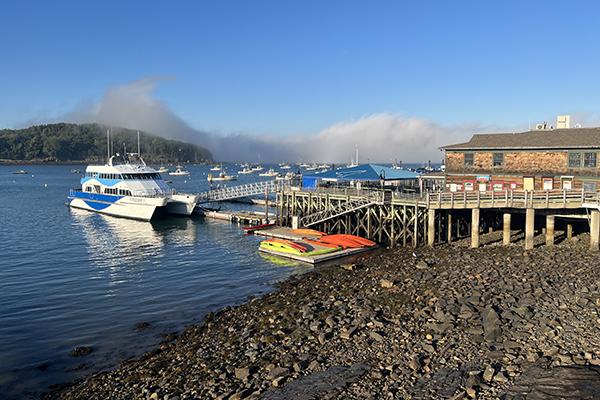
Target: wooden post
(475, 228)
(594, 230)
(569, 231)
(549, 230)
(431, 228)
(416, 236)
(449, 226)
(506, 226)
(266, 205)
(404, 227)
(529, 228)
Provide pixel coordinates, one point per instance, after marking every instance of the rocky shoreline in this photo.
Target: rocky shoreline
(449, 322)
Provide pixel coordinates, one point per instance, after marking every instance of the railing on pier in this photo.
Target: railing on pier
(236, 192)
(539, 199)
(351, 205)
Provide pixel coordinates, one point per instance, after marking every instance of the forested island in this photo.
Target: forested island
(64, 143)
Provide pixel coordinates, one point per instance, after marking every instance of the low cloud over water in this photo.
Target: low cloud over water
(380, 137)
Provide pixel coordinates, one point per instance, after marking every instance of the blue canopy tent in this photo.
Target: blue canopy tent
(366, 172)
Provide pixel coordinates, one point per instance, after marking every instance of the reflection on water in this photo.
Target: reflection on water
(292, 267)
(122, 249)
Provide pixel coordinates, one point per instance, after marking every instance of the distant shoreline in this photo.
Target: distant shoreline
(85, 162)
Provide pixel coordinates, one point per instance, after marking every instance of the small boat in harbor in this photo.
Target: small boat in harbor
(19, 172)
(163, 169)
(271, 172)
(221, 177)
(75, 171)
(217, 168)
(179, 171)
(246, 171)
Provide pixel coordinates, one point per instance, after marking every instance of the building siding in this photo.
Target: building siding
(522, 163)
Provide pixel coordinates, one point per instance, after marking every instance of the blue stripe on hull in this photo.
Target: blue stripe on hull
(94, 201)
(105, 204)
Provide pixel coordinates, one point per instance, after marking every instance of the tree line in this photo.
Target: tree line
(87, 143)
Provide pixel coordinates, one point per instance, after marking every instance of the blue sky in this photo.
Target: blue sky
(302, 79)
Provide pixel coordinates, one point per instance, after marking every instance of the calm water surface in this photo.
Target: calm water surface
(72, 278)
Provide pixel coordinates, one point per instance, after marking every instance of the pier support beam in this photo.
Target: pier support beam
(431, 228)
(529, 228)
(569, 231)
(506, 229)
(449, 226)
(594, 230)
(475, 228)
(549, 230)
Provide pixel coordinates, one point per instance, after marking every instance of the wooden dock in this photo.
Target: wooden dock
(239, 217)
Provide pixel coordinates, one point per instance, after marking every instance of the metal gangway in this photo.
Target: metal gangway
(236, 192)
(341, 209)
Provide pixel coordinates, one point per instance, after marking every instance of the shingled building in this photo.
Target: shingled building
(541, 159)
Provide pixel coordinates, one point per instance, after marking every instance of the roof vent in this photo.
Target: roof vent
(539, 127)
(577, 125)
(563, 122)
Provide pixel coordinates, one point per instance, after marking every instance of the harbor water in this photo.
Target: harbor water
(72, 278)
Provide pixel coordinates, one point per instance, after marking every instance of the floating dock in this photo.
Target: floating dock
(286, 233)
(240, 217)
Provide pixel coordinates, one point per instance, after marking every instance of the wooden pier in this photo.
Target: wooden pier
(396, 218)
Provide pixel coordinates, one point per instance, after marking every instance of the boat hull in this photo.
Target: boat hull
(182, 204)
(139, 208)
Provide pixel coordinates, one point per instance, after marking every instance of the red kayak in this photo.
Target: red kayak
(347, 240)
(294, 245)
(257, 227)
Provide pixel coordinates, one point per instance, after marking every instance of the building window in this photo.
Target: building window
(498, 159)
(590, 160)
(574, 160)
(469, 159)
(589, 186)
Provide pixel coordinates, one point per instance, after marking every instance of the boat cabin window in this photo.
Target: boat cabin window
(110, 190)
(88, 189)
(124, 192)
(141, 176)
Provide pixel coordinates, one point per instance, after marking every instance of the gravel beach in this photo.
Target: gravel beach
(448, 322)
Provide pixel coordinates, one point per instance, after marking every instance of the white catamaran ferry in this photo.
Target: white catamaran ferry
(129, 190)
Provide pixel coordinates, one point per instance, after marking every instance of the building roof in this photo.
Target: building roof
(365, 172)
(575, 138)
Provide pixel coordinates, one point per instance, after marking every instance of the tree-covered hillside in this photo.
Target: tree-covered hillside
(86, 143)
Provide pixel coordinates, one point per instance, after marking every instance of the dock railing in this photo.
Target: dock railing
(235, 192)
(539, 199)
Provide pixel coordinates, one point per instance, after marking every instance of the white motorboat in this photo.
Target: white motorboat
(271, 172)
(129, 190)
(221, 177)
(179, 171)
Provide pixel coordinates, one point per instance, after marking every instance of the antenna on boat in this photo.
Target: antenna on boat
(139, 154)
(108, 145)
